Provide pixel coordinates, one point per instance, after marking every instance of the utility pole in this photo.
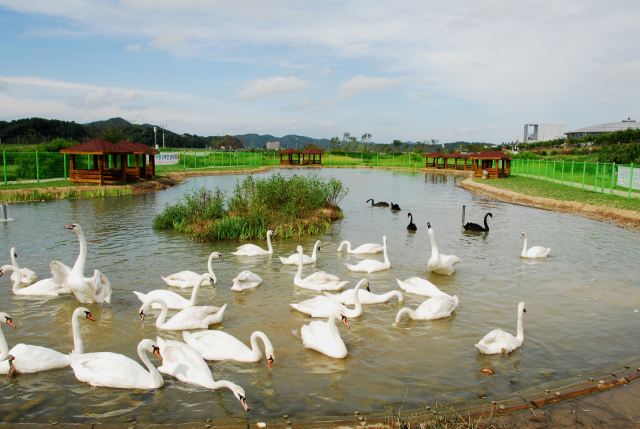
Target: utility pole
(163, 127)
(155, 140)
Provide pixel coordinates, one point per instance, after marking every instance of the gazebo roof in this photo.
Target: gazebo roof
(288, 151)
(490, 154)
(137, 148)
(313, 152)
(433, 155)
(456, 155)
(96, 147)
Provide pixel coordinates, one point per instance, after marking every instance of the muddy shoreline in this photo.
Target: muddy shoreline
(621, 217)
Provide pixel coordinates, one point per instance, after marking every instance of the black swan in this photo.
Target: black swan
(412, 226)
(395, 207)
(380, 204)
(470, 226)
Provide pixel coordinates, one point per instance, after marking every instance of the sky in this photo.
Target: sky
(412, 70)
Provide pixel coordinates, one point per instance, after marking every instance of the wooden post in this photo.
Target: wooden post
(144, 166)
(123, 172)
(101, 167)
(153, 165)
(138, 167)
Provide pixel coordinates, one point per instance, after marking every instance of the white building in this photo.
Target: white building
(604, 128)
(273, 145)
(542, 132)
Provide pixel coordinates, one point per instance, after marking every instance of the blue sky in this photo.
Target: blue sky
(414, 70)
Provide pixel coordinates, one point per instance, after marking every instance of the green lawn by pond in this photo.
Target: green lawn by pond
(541, 188)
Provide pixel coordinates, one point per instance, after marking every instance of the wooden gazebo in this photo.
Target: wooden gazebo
(436, 156)
(457, 156)
(290, 160)
(105, 167)
(495, 163)
(309, 157)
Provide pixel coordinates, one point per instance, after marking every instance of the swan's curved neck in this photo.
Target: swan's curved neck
(486, 225)
(78, 346)
(16, 282)
(357, 310)
(78, 267)
(194, 293)
(269, 243)
(214, 385)
(163, 313)
(333, 329)
(520, 332)
(14, 262)
(524, 249)
(463, 208)
(210, 269)
(388, 295)
(434, 247)
(254, 344)
(386, 257)
(315, 249)
(299, 273)
(4, 347)
(410, 218)
(155, 375)
(410, 312)
(348, 246)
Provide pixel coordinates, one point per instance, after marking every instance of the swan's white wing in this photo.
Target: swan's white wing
(60, 273)
(247, 276)
(322, 277)
(419, 286)
(368, 248)
(109, 370)
(183, 276)
(449, 259)
(101, 287)
(183, 362)
(538, 252)
(27, 276)
(216, 345)
(29, 359)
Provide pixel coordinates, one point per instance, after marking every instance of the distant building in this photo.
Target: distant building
(273, 145)
(542, 132)
(604, 128)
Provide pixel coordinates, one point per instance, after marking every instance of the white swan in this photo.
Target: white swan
(437, 307)
(172, 299)
(365, 296)
(371, 265)
(498, 341)
(28, 276)
(253, 250)
(185, 279)
(294, 259)
(246, 280)
(322, 306)
(181, 361)
(108, 369)
(534, 252)
(317, 281)
(439, 263)
(30, 359)
(365, 248)
(419, 286)
(199, 317)
(47, 287)
(87, 289)
(218, 345)
(6, 365)
(324, 337)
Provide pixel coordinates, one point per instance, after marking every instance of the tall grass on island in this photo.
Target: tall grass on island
(292, 207)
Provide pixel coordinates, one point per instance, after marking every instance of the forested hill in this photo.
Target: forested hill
(291, 140)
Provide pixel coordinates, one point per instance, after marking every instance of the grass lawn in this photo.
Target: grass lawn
(540, 188)
(52, 184)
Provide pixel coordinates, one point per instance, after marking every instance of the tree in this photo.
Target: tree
(334, 143)
(366, 139)
(397, 144)
(419, 147)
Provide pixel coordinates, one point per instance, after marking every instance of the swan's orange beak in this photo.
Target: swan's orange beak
(69, 227)
(141, 316)
(1, 273)
(269, 362)
(90, 317)
(156, 351)
(10, 323)
(344, 320)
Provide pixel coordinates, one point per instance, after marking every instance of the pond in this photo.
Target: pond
(580, 316)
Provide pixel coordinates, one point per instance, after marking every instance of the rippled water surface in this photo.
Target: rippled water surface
(580, 304)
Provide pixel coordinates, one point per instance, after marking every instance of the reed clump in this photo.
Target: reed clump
(296, 206)
(22, 195)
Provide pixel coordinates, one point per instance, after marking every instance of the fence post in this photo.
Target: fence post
(377, 160)
(360, 160)
(630, 180)
(553, 176)
(613, 172)
(205, 158)
(329, 158)
(394, 160)
(64, 165)
(346, 158)
(184, 160)
(562, 174)
(4, 160)
(37, 168)
(584, 171)
(572, 163)
(604, 173)
(595, 181)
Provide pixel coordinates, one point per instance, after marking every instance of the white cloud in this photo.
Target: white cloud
(325, 71)
(359, 84)
(3, 85)
(223, 84)
(103, 97)
(133, 48)
(278, 85)
(301, 104)
(168, 40)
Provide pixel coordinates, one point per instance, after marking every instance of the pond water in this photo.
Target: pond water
(580, 304)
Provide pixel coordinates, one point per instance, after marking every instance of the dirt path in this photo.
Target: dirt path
(625, 218)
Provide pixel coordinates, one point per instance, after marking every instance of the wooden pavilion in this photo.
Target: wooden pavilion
(309, 157)
(436, 156)
(457, 156)
(105, 167)
(290, 160)
(495, 163)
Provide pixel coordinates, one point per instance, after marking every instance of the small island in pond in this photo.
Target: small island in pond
(296, 206)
